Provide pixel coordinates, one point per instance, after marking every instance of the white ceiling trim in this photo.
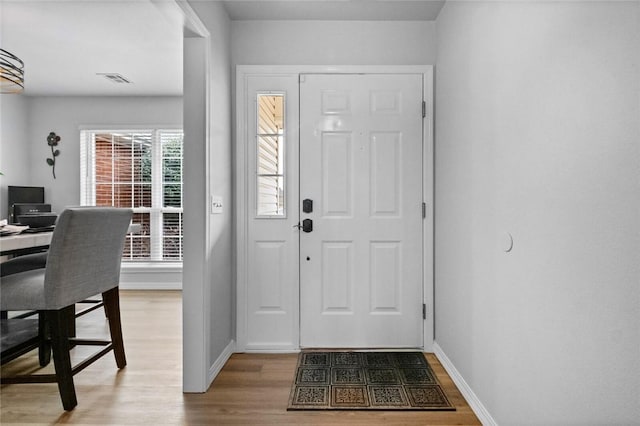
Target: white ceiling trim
(334, 10)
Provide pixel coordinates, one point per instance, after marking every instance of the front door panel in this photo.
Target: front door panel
(361, 272)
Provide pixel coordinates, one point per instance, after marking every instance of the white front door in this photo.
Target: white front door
(361, 265)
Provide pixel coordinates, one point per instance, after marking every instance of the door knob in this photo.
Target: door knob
(307, 225)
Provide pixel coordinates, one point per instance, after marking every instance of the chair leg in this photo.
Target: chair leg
(105, 310)
(59, 328)
(112, 308)
(71, 321)
(44, 349)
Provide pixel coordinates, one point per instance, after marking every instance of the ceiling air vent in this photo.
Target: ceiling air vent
(115, 77)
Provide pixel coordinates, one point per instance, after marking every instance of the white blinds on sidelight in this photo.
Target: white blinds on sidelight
(270, 158)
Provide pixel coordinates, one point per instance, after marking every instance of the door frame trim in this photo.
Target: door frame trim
(241, 185)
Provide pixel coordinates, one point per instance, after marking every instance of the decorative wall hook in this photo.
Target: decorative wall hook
(52, 141)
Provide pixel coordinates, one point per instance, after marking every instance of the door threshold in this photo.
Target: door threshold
(334, 349)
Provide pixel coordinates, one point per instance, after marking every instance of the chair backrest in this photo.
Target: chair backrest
(85, 254)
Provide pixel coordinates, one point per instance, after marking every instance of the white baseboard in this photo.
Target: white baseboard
(141, 276)
(220, 362)
(472, 399)
(269, 349)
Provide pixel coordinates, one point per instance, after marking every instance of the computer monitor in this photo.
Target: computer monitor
(23, 194)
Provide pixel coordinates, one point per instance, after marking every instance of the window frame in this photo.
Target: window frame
(156, 211)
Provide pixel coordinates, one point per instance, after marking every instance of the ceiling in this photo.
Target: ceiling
(67, 44)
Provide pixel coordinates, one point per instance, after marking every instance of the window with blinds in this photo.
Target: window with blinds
(141, 170)
(270, 158)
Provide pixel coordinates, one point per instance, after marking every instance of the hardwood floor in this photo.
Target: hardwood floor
(252, 389)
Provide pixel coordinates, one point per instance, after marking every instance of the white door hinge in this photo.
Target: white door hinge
(424, 311)
(424, 210)
(424, 109)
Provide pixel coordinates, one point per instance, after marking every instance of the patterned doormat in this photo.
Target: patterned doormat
(366, 381)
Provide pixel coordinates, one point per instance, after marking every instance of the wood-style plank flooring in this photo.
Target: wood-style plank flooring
(252, 389)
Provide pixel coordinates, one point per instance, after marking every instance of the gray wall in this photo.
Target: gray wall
(537, 134)
(14, 143)
(27, 120)
(332, 43)
(220, 250)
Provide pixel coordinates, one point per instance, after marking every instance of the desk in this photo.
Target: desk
(29, 242)
(15, 244)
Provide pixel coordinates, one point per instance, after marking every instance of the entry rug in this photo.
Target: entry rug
(366, 381)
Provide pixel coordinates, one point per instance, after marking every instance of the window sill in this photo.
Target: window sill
(144, 267)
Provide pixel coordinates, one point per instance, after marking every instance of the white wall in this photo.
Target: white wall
(221, 172)
(332, 43)
(537, 134)
(219, 288)
(14, 142)
(65, 115)
(196, 305)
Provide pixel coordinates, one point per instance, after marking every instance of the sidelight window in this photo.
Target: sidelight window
(270, 140)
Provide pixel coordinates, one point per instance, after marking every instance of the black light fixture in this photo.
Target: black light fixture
(11, 73)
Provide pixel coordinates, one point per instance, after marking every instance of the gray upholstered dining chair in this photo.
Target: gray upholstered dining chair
(23, 263)
(84, 260)
(16, 265)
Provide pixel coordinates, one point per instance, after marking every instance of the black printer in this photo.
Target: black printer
(35, 215)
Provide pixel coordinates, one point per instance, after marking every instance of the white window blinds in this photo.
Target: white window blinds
(142, 170)
(270, 158)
